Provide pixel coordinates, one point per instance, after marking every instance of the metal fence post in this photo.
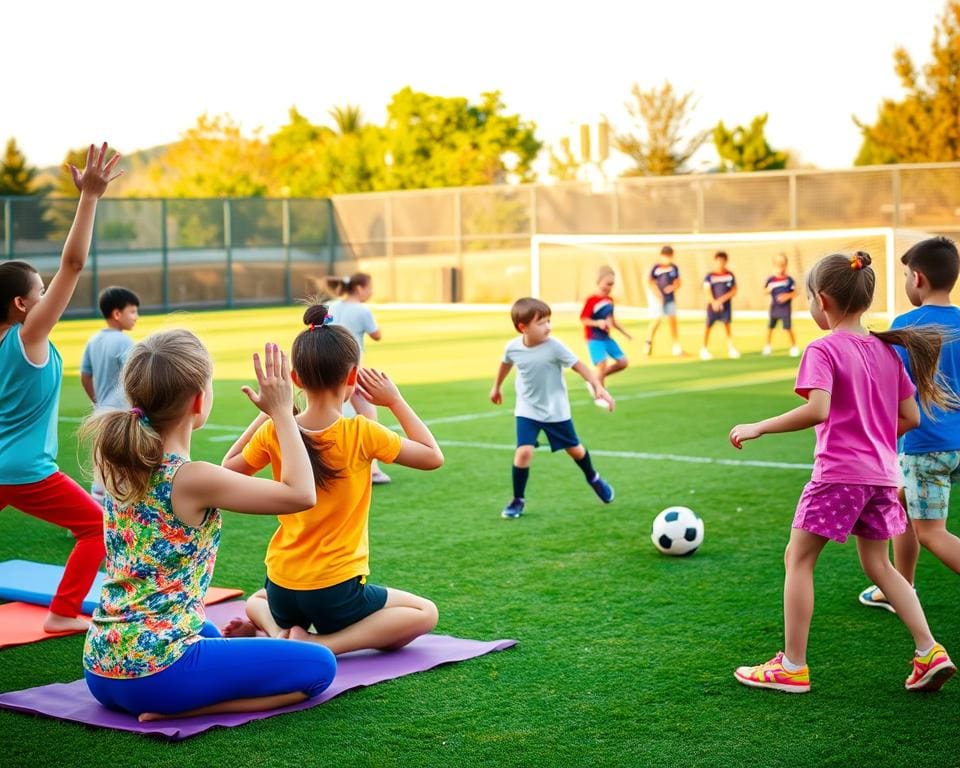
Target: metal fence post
(8, 228)
(164, 258)
(457, 295)
(287, 266)
(331, 237)
(228, 246)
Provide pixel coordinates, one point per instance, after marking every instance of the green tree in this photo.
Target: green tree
(746, 148)
(347, 119)
(438, 141)
(564, 166)
(16, 176)
(924, 126)
(661, 118)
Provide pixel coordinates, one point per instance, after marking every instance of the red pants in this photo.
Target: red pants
(59, 500)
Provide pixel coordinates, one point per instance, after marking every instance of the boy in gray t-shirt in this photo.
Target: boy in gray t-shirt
(542, 401)
(105, 354)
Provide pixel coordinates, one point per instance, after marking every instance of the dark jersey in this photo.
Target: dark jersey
(778, 286)
(665, 275)
(719, 283)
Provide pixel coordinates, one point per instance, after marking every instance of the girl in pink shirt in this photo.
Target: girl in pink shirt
(860, 400)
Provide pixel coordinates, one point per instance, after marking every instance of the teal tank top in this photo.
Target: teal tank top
(29, 409)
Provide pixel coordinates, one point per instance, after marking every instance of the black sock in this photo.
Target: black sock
(520, 476)
(586, 466)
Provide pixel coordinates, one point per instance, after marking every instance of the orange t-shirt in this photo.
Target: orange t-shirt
(326, 544)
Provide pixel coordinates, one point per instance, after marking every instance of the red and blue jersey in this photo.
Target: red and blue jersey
(779, 285)
(720, 283)
(665, 275)
(597, 308)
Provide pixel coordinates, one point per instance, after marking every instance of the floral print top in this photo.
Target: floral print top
(158, 570)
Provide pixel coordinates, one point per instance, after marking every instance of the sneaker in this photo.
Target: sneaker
(767, 350)
(513, 510)
(794, 352)
(733, 353)
(930, 672)
(678, 351)
(775, 676)
(705, 354)
(873, 597)
(380, 477)
(647, 348)
(602, 488)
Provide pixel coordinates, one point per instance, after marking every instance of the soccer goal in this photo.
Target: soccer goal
(563, 267)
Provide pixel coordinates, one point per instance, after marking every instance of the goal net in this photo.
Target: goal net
(563, 268)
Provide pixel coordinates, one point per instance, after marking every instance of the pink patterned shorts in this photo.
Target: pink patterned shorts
(836, 510)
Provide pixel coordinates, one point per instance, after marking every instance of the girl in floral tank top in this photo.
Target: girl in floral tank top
(150, 650)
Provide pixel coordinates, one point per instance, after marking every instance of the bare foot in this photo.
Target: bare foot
(56, 624)
(147, 717)
(239, 628)
(299, 633)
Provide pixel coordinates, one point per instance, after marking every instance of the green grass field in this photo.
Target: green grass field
(625, 657)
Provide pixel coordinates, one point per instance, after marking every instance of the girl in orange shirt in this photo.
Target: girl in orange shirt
(318, 560)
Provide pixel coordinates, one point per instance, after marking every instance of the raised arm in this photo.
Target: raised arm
(233, 460)
(814, 411)
(420, 450)
(92, 183)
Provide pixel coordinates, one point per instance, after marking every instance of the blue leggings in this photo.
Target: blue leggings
(217, 669)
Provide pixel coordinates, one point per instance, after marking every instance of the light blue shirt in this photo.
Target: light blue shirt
(355, 317)
(29, 407)
(103, 358)
(541, 389)
(942, 432)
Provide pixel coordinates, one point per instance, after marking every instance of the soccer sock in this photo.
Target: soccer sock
(921, 652)
(520, 476)
(586, 466)
(790, 666)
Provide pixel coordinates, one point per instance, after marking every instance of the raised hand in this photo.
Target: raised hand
(377, 388)
(275, 394)
(97, 175)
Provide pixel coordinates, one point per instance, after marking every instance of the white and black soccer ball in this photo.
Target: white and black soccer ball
(677, 531)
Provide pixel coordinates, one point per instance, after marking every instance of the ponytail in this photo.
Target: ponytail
(342, 286)
(126, 452)
(923, 345)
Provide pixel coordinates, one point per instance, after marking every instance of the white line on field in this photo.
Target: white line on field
(645, 456)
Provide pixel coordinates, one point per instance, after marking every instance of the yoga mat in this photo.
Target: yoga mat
(72, 701)
(22, 623)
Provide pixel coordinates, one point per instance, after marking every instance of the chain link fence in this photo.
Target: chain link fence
(447, 245)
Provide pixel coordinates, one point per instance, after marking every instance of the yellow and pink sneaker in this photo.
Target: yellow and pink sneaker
(775, 676)
(930, 672)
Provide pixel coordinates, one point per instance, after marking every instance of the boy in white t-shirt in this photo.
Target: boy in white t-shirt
(542, 400)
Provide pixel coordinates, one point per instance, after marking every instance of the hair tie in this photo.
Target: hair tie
(856, 262)
(328, 319)
(141, 416)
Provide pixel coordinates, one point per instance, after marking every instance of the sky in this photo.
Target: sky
(139, 73)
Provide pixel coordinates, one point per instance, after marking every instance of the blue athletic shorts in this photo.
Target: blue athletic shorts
(787, 321)
(725, 315)
(669, 308)
(601, 349)
(561, 434)
(329, 609)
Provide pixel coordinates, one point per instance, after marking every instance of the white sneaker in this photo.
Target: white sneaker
(380, 477)
(677, 350)
(732, 353)
(767, 351)
(705, 354)
(794, 352)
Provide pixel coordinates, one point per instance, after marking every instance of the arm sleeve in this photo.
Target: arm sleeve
(565, 356)
(733, 280)
(85, 365)
(378, 442)
(507, 357)
(587, 310)
(816, 372)
(257, 452)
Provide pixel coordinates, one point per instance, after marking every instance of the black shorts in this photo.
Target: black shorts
(329, 609)
(787, 321)
(561, 434)
(725, 315)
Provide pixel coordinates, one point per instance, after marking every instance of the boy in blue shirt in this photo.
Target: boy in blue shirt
(782, 288)
(720, 286)
(542, 402)
(105, 354)
(930, 454)
(665, 279)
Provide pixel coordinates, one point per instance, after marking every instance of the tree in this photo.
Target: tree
(348, 119)
(661, 116)
(746, 148)
(925, 125)
(16, 176)
(438, 141)
(563, 165)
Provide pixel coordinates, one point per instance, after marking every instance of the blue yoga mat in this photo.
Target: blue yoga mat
(36, 583)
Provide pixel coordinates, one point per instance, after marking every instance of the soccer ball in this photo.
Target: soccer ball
(677, 531)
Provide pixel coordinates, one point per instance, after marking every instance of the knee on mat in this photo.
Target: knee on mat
(430, 617)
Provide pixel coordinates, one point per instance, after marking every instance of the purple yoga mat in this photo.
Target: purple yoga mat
(72, 701)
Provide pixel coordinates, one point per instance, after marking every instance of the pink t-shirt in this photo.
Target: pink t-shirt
(857, 444)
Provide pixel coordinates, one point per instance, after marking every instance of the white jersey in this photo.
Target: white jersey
(355, 317)
(541, 389)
